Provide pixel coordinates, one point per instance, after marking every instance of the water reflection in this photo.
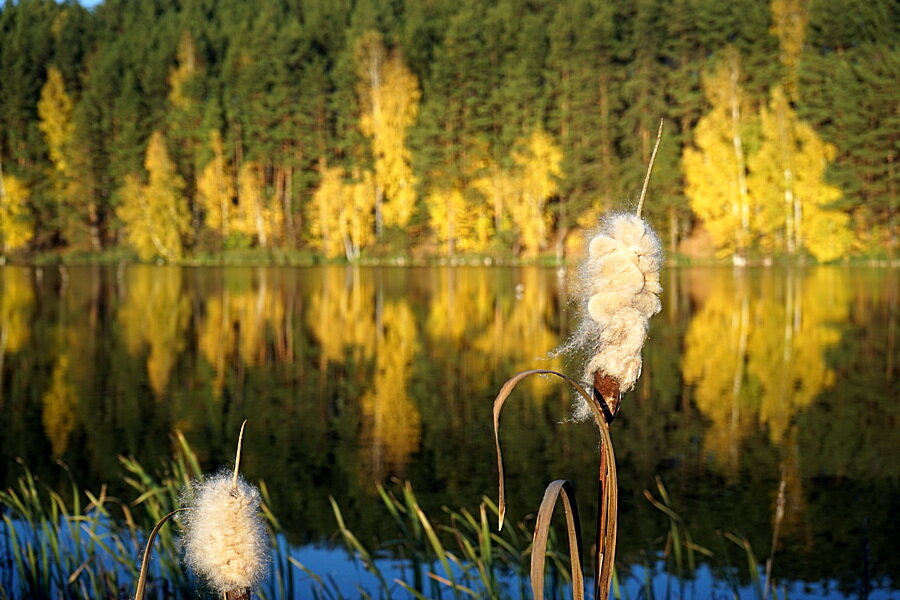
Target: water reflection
(16, 305)
(155, 314)
(754, 381)
(755, 351)
(391, 422)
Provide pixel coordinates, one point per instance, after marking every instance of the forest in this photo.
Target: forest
(167, 130)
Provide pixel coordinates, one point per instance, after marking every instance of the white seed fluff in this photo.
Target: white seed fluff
(225, 540)
(620, 287)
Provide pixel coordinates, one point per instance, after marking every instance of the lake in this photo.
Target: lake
(761, 388)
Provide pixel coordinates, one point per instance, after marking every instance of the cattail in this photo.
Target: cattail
(225, 540)
(622, 285)
(620, 290)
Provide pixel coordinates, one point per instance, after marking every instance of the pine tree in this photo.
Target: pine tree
(584, 99)
(848, 94)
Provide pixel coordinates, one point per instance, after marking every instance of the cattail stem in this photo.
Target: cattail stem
(650, 168)
(237, 459)
(606, 395)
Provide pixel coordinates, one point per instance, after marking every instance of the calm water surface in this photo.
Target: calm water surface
(754, 381)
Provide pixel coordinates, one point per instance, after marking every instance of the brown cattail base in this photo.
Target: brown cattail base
(607, 388)
(237, 595)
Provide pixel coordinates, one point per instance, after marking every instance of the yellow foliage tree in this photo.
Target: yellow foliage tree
(821, 228)
(188, 66)
(538, 175)
(499, 187)
(325, 210)
(787, 183)
(55, 111)
(70, 193)
(16, 225)
(457, 223)
(359, 218)
(341, 213)
(258, 213)
(215, 188)
(155, 214)
(715, 167)
(389, 98)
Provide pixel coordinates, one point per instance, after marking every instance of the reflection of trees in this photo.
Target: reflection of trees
(481, 323)
(391, 422)
(59, 407)
(461, 301)
(756, 351)
(155, 313)
(797, 323)
(714, 361)
(518, 335)
(16, 304)
(342, 315)
(242, 320)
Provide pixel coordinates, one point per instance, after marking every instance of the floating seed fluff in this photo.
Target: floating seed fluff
(620, 280)
(225, 539)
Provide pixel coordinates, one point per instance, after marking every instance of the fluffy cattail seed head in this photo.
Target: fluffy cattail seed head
(620, 290)
(225, 540)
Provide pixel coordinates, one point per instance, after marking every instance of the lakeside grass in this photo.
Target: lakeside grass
(89, 546)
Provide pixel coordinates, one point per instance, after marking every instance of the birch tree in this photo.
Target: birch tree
(155, 214)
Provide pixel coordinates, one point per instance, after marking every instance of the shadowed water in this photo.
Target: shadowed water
(754, 381)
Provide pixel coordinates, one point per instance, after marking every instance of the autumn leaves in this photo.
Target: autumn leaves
(756, 176)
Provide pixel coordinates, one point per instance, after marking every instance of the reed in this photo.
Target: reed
(83, 547)
(88, 549)
(680, 552)
(463, 558)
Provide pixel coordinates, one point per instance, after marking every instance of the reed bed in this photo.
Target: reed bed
(90, 545)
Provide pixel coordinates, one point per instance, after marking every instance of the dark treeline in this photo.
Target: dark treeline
(375, 128)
